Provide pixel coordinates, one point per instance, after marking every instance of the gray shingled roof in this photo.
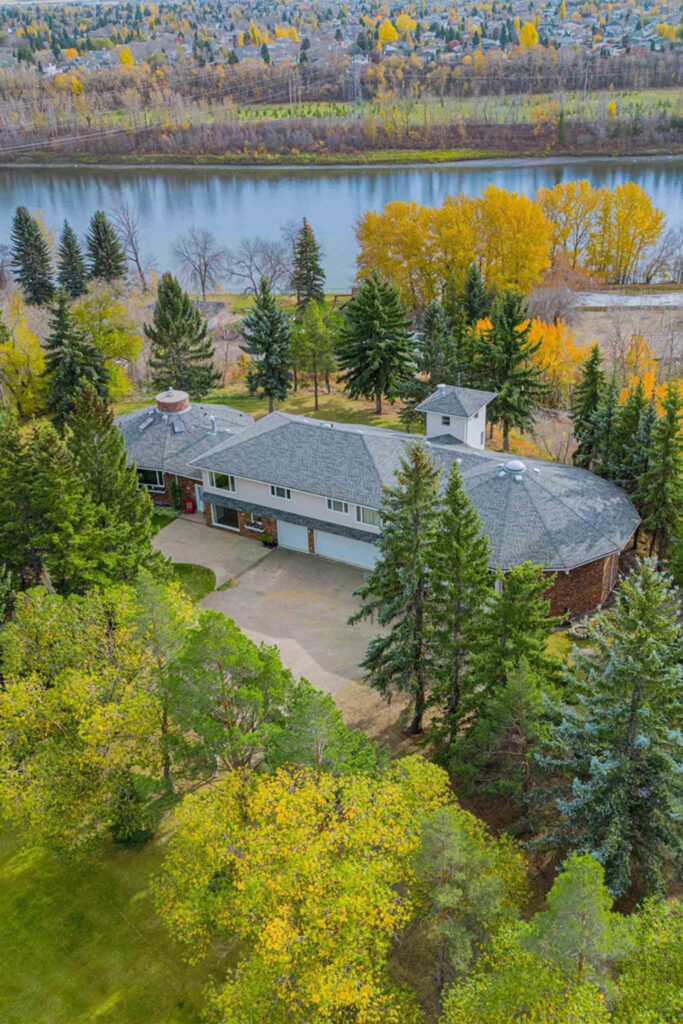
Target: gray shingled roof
(158, 446)
(452, 401)
(556, 515)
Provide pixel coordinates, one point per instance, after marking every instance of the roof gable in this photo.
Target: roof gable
(454, 401)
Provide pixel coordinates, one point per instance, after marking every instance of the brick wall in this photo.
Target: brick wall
(581, 590)
(246, 530)
(186, 490)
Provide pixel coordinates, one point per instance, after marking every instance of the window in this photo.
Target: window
(280, 492)
(445, 421)
(481, 439)
(338, 506)
(255, 523)
(225, 517)
(222, 482)
(152, 479)
(369, 516)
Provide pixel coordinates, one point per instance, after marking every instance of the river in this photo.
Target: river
(250, 201)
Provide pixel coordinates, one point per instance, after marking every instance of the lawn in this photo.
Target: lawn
(336, 406)
(82, 944)
(196, 580)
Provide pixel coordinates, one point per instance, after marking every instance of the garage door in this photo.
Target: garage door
(291, 536)
(344, 549)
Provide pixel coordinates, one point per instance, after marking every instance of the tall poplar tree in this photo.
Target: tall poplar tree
(31, 259)
(308, 277)
(106, 258)
(398, 590)
(659, 492)
(72, 272)
(71, 361)
(374, 350)
(586, 399)
(267, 333)
(182, 353)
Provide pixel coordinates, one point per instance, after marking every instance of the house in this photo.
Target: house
(316, 486)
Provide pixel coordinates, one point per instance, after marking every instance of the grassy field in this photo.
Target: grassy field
(196, 580)
(82, 944)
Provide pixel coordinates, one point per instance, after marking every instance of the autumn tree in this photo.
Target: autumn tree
(571, 208)
(627, 223)
(513, 239)
(308, 277)
(104, 318)
(71, 361)
(22, 361)
(106, 258)
(31, 260)
(374, 350)
(266, 334)
(72, 272)
(181, 351)
(398, 590)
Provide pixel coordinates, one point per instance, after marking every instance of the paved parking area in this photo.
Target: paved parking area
(189, 539)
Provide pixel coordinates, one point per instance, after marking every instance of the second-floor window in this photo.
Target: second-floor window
(338, 506)
(280, 492)
(367, 515)
(222, 482)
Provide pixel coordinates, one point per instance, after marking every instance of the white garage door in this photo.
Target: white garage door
(291, 536)
(344, 549)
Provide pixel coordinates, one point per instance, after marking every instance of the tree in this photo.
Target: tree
(266, 335)
(504, 354)
(311, 347)
(22, 361)
(398, 589)
(71, 362)
(387, 32)
(71, 269)
(374, 350)
(201, 258)
(616, 746)
(650, 975)
(626, 225)
(461, 588)
(181, 354)
(635, 418)
(31, 259)
(604, 429)
(470, 886)
(528, 35)
(286, 864)
(106, 258)
(127, 221)
(475, 300)
(104, 319)
(512, 240)
(586, 398)
(258, 258)
(308, 277)
(659, 491)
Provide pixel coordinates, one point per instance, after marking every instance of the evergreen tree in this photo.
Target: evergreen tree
(266, 333)
(123, 509)
(504, 352)
(70, 362)
(71, 270)
(659, 492)
(311, 347)
(398, 589)
(182, 353)
(475, 298)
(31, 258)
(308, 277)
(106, 258)
(375, 350)
(635, 418)
(604, 426)
(461, 586)
(619, 745)
(586, 399)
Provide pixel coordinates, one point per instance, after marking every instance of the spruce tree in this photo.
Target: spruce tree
(618, 746)
(31, 258)
(462, 587)
(634, 422)
(266, 332)
(504, 351)
(71, 269)
(308, 277)
(475, 298)
(659, 492)
(586, 399)
(70, 362)
(106, 258)
(604, 427)
(123, 509)
(398, 589)
(374, 350)
(181, 352)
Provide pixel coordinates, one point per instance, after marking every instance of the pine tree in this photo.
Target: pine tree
(106, 258)
(398, 588)
(618, 745)
(586, 398)
(604, 427)
(308, 277)
(31, 258)
(266, 333)
(311, 346)
(505, 352)
(181, 354)
(374, 349)
(71, 361)
(71, 269)
(659, 492)
(123, 509)
(461, 585)
(475, 299)
(633, 427)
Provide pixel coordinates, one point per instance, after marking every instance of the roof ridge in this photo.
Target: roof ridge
(600, 532)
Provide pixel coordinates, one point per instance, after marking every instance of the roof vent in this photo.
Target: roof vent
(212, 424)
(173, 401)
(514, 467)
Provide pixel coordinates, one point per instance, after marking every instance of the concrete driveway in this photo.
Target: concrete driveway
(297, 601)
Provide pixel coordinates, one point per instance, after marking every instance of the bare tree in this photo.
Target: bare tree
(255, 258)
(127, 221)
(664, 260)
(553, 303)
(201, 258)
(6, 278)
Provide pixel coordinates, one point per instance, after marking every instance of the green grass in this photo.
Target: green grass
(335, 407)
(196, 580)
(160, 520)
(82, 944)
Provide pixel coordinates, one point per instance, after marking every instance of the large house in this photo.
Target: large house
(316, 487)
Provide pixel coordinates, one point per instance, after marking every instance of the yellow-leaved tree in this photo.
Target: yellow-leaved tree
(105, 320)
(387, 32)
(558, 357)
(627, 223)
(126, 57)
(405, 24)
(528, 35)
(571, 207)
(513, 239)
(22, 361)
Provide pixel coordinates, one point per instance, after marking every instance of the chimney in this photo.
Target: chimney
(173, 401)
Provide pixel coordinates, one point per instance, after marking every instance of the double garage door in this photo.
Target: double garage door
(329, 545)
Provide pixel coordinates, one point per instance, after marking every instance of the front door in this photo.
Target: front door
(199, 497)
